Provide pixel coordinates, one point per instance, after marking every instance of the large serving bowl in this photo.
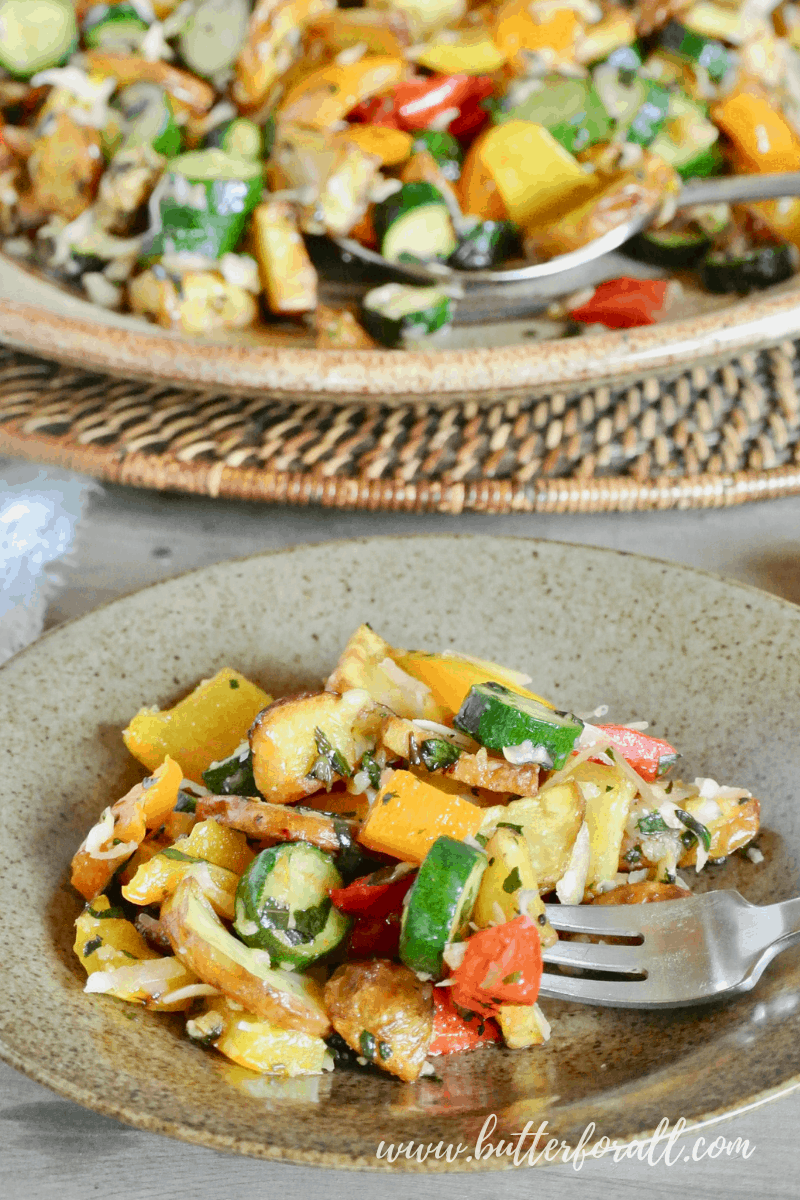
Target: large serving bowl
(39, 316)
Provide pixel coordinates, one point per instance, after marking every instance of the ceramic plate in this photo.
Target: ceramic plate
(485, 362)
(714, 666)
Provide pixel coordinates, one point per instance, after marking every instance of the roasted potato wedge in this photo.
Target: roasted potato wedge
(608, 795)
(384, 1013)
(509, 886)
(203, 944)
(256, 1044)
(303, 743)
(367, 662)
(737, 826)
(272, 823)
(648, 891)
(549, 823)
(287, 275)
(522, 1025)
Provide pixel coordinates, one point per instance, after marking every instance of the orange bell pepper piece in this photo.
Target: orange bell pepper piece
(408, 815)
(763, 141)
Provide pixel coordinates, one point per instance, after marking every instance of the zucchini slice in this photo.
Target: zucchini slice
(36, 34)
(116, 28)
(232, 776)
(283, 906)
(149, 119)
(693, 48)
(688, 140)
(570, 109)
(214, 34)
(760, 268)
(206, 200)
(483, 244)
(497, 717)
(396, 309)
(440, 904)
(668, 248)
(415, 224)
(239, 137)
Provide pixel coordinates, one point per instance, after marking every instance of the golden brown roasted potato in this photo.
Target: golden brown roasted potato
(271, 46)
(271, 823)
(65, 166)
(549, 822)
(334, 172)
(126, 186)
(522, 1025)
(287, 275)
(738, 825)
(303, 743)
(367, 662)
(203, 944)
(337, 329)
(646, 892)
(184, 87)
(608, 795)
(384, 1013)
(199, 302)
(620, 194)
(509, 886)
(403, 739)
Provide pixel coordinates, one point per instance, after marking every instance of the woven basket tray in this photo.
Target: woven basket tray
(709, 438)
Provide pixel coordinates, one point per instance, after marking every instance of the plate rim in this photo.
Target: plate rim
(152, 1123)
(342, 376)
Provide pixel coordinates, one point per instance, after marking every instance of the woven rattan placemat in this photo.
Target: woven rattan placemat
(710, 437)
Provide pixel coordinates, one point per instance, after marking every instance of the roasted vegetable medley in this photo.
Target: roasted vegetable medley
(356, 875)
(188, 159)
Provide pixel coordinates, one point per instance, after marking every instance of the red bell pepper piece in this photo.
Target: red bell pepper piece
(624, 303)
(649, 756)
(501, 965)
(416, 103)
(375, 937)
(452, 1032)
(374, 895)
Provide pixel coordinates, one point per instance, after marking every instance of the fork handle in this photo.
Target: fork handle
(731, 189)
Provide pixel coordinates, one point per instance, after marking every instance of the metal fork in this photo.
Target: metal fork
(704, 948)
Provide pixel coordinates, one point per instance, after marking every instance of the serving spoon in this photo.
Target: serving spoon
(725, 189)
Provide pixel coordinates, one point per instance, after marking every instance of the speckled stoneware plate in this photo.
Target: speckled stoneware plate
(713, 665)
(484, 362)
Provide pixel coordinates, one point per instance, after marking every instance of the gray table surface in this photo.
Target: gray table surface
(50, 1147)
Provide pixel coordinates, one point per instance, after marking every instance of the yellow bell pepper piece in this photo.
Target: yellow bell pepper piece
(327, 95)
(471, 55)
(258, 1045)
(533, 172)
(205, 727)
(391, 146)
(450, 677)
(408, 815)
(103, 943)
(215, 844)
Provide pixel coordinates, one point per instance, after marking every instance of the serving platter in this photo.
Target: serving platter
(709, 663)
(476, 362)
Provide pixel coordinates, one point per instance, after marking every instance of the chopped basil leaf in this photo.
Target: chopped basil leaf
(185, 803)
(369, 764)
(509, 825)
(93, 944)
(109, 913)
(179, 856)
(633, 856)
(695, 826)
(514, 977)
(329, 762)
(384, 1050)
(387, 796)
(436, 754)
(652, 822)
(367, 1044)
(234, 683)
(512, 882)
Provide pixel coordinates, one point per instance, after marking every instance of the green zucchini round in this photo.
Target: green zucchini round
(414, 224)
(35, 35)
(760, 268)
(283, 907)
(440, 904)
